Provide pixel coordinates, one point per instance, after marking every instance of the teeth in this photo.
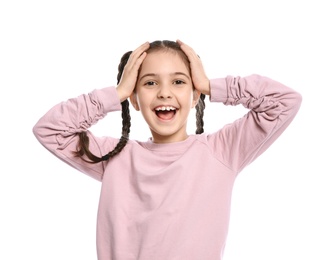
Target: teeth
(163, 108)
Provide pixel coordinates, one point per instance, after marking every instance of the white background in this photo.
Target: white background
(53, 50)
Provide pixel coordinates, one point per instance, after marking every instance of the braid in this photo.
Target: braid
(125, 132)
(83, 144)
(125, 114)
(199, 115)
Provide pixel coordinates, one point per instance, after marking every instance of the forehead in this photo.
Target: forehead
(164, 61)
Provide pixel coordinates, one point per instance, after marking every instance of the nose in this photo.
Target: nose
(164, 92)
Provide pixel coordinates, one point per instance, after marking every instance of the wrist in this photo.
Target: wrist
(206, 89)
(121, 94)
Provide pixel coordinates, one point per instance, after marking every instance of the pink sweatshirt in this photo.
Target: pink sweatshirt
(170, 201)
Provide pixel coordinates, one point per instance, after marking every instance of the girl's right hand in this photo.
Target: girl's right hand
(130, 73)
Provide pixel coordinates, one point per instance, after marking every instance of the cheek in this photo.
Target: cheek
(143, 98)
(188, 97)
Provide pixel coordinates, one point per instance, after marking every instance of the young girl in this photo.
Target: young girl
(167, 198)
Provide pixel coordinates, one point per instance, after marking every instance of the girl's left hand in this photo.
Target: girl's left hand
(199, 78)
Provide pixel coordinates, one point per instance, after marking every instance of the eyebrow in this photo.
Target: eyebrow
(172, 74)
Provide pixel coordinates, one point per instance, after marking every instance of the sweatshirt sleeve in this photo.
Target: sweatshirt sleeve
(272, 106)
(58, 129)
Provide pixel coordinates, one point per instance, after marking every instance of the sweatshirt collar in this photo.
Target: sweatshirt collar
(169, 147)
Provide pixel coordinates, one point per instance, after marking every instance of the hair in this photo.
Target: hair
(83, 143)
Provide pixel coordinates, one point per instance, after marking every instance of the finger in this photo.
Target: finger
(138, 51)
(137, 56)
(191, 54)
(134, 62)
(179, 42)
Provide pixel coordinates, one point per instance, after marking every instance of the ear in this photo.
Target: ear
(196, 97)
(133, 101)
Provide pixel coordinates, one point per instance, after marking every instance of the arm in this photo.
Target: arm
(272, 108)
(57, 130)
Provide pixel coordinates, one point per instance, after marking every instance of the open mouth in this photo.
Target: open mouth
(165, 112)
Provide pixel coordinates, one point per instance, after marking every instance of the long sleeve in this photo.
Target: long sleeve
(57, 130)
(272, 107)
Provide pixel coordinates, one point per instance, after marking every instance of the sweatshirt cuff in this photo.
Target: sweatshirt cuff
(109, 99)
(218, 90)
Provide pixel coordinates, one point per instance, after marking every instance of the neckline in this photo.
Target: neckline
(165, 147)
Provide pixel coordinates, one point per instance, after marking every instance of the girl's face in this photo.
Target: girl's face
(165, 94)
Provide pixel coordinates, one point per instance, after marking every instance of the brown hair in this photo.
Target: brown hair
(83, 144)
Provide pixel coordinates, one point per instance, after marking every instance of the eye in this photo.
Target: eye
(178, 82)
(150, 83)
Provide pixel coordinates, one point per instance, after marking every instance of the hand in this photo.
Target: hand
(130, 72)
(199, 78)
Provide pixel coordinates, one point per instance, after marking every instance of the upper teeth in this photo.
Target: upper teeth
(165, 108)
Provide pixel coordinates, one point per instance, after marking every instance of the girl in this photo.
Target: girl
(167, 198)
